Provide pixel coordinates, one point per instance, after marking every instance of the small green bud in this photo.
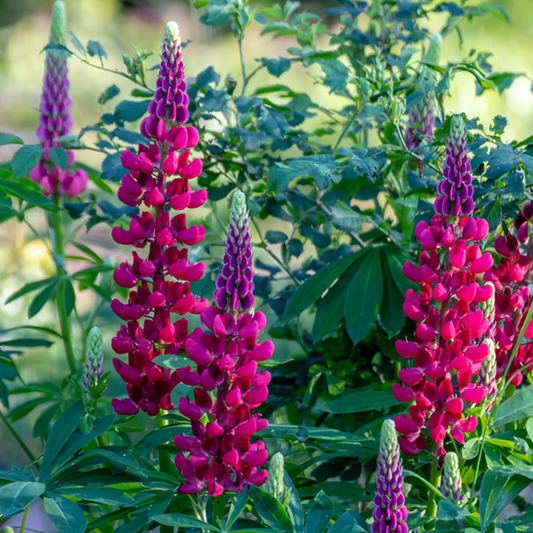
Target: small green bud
(488, 306)
(451, 479)
(6, 530)
(58, 28)
(274, 484)
(172, 33)
(393, 107)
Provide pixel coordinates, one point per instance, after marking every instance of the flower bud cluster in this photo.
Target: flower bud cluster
(390, 513)
(448, 349)
(55, 119)
(160, 281)
(451, 479)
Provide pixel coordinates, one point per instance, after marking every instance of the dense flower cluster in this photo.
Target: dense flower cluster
(161, 279)
(449, 333)
(55, 119)
(455, 190)
(221, 455)
(390, 513)
(511, 278)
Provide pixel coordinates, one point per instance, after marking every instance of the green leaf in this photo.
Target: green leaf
(493, 214)
(348, 522)
(44, 419)
(15, 496)
(517, 407)
(345, 218)
(320, 514)
(358, 402)
(69, 296)
(9, 138)
(26, 159)
(64, 514)
(471, 448)
(25, 189)
(94, 48)
(313, 287)
(86, 250)
(449, 511)
(391, 310)
(497, 491)
(129, 111)
(171, 361)
(276, 67)
(60, 432)
(58, 50)
(26, 343)
(330, 310)
(108, 94)
(237, 506)
(270, 510)
(77, 43)
(59, 157)
(181, 520)
(40, 300)
(296, 511)
(363, 298)
(105, 495)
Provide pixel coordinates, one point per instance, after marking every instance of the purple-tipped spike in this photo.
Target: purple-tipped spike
(390, 512)
(455, 189)
(235, 284)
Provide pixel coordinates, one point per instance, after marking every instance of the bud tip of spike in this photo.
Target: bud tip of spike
(172, 32)
(59, 23)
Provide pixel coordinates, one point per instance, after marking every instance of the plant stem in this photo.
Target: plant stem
(13, 432)
(243, 68)
(23, 525)
(165, 464)
(431, 508)
(509, 391)
(218, 508)
(58, 243)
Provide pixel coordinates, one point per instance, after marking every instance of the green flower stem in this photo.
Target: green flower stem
(23, 525)
(165, 464)
(59, 250)
(509, 391)
(18, 438)
(218, 508)
(431, 508)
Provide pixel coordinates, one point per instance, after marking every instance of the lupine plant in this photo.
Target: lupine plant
(322, 321)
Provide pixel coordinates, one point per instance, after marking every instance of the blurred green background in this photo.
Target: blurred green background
(121, 25)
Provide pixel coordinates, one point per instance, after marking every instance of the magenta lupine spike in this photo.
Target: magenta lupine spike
(390, 513)
(160, 279)
(235, 283)
(170, 99)
(226, 359)
(455, 189)
(55, 119)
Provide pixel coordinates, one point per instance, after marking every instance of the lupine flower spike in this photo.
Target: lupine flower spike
(422, 117)
(451, 479)
(160, 176)
(92, 385)
(226, 359)
(274, 484)
(455, 190)
(390, 513)
(55, 119)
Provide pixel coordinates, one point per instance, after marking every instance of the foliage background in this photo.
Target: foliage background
(118, 25)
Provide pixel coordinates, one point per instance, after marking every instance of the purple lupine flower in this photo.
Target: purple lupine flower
(451, 479)
(55, 119)
(235, 284)
(455, 189)
(169, 105)
(390, 512)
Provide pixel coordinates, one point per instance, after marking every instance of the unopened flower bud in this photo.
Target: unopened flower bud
(451, 479)
(487, 373)
(93, 366)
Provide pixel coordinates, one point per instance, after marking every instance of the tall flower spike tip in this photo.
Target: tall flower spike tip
(487, 373)
(93, 366)
(235, 284)
(390, 513)
(422, 118)
(55, 119)
(274, 484)
(451, 479)
(455, 189)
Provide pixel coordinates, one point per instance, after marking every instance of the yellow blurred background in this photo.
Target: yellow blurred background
(118, 26)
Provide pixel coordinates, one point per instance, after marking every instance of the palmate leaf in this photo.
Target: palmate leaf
(311, 290)
(364, 296)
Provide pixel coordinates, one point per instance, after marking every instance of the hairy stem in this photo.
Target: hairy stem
(58, 243)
